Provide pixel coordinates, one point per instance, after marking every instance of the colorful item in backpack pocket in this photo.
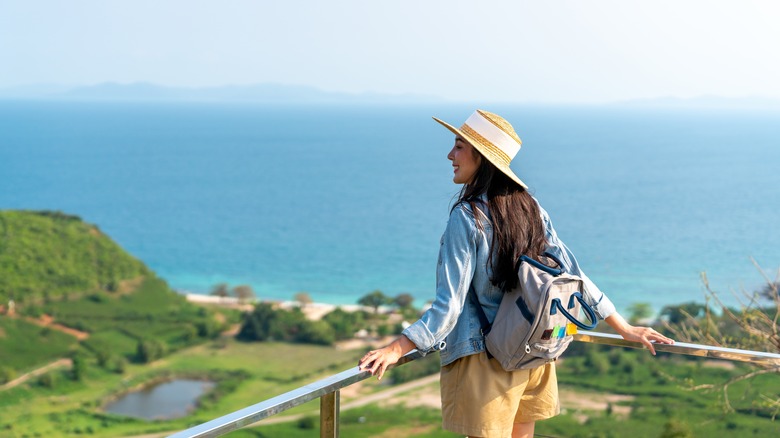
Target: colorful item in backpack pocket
(559, 332)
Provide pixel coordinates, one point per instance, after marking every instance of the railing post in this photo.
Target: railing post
(329, 415)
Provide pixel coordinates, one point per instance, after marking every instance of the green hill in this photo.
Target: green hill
(48, 255)
(57, 268)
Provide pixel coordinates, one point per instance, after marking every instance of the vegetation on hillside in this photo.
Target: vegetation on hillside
(48, 255)
(752, 326)
(24, 345)
(56, 265)
(269, 322)
(59, 269)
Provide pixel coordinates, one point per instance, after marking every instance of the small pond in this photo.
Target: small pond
(166, 400)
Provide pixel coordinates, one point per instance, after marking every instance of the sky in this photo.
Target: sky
(587, 51)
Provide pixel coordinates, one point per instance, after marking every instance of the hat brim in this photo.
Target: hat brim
(500, 166)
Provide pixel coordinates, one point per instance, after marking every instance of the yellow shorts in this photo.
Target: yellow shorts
(479, 398)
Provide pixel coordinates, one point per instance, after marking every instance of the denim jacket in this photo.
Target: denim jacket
(451, 324)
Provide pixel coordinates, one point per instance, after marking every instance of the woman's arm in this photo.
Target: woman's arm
(592, 294)
(454, 273)
(597, 299)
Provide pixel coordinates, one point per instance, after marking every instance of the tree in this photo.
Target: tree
(374, 300)
(244, 293)
(257, 324)
(770, 291)
(638, 312)
(150, 350)
(403, 301)
(220, 290)
(303, 299)
(681, 312)
(79, 368)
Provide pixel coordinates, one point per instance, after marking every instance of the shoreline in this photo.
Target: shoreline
(313, 310)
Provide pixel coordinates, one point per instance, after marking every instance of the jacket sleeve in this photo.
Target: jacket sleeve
(455, 270)
(592, 294)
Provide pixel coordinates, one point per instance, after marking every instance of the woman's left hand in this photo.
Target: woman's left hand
(645, 335)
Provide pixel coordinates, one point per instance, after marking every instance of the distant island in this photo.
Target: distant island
(276, 93)
(711, 102)
(264, 92)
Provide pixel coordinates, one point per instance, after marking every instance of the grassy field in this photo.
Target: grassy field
(611, 392)
(73, 408)
(24, 345)
(652, 390)
(632, 395)
(368, 422)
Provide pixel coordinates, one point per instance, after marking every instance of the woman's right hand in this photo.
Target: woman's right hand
(377, 361)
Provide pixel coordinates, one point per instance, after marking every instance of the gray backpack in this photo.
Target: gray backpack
(535, 321)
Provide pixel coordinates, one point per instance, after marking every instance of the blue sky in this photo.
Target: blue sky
(524, 51)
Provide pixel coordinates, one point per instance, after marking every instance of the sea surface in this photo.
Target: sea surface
(338, 201)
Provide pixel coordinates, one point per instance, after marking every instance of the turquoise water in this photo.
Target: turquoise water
(341, 200)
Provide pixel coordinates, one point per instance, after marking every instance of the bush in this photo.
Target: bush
(676, 429)
(207, 328)
(307, 423)
(48, 380)
(150, 350)
(119, 365)
(345, 324)
(316, 332)
(597, 362)
(32, 311)
(265, 323)
(384, 330)
(6, 375)
(79, 368)
(103, 357)
(425, 366)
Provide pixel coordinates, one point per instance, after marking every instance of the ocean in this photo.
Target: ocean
(338, 201)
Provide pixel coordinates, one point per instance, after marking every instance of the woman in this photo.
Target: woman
(493, 223)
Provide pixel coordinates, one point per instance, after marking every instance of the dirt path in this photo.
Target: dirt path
(61, 363)
(48, 321)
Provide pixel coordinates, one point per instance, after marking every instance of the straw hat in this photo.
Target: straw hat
(493, 137)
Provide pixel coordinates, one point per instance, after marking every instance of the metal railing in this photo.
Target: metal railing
(327, 389)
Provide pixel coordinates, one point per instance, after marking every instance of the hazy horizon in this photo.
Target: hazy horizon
(303, 94)
(571, 52)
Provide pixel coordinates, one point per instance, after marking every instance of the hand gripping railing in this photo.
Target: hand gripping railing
(328, 388)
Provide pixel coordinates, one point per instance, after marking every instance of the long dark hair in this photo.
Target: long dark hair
(516, 221)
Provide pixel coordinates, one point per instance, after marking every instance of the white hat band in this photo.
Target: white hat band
(493, 134)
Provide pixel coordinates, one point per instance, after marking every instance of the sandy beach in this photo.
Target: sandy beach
(313, 311)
